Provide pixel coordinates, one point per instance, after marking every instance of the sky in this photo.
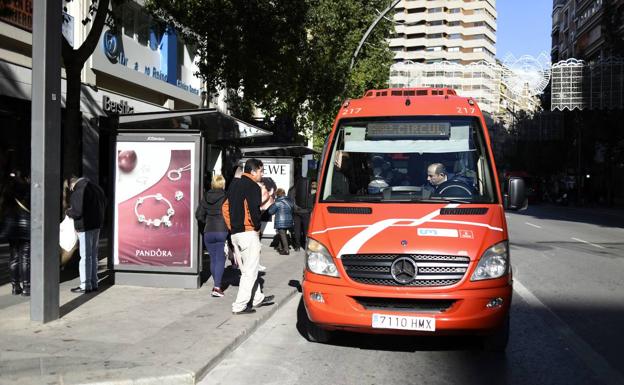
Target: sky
(523, 27)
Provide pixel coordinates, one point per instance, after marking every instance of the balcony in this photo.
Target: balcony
(20, 14)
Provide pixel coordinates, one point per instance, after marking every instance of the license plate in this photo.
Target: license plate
(386, 321)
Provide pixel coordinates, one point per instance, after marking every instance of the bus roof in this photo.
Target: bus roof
(409, 102)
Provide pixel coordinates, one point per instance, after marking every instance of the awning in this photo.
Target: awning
(285, 150)
(215, 125)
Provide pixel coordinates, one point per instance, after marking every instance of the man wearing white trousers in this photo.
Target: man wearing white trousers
(242, 215)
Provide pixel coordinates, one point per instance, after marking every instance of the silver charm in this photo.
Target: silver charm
(176, 173)
(156, 222)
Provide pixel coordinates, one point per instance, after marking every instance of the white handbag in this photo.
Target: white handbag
(67, 234)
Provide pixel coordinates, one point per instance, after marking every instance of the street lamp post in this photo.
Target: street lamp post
(369, 30)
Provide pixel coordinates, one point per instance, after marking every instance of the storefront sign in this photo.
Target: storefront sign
(114, 52)
(113, 107)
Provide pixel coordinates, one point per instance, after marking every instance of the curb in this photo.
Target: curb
(242, 337)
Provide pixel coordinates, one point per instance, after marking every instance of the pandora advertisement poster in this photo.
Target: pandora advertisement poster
(154, 204)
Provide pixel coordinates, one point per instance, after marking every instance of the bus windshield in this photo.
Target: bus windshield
(409, 159)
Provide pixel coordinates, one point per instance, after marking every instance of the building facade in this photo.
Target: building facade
(588, 76)
(452, 43)
(586, 29)
(144, 67)
(480, 80)
(457, 31)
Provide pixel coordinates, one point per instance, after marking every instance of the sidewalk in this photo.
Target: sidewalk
(127, 334)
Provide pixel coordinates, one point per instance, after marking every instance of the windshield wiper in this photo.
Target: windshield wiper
(455, 200)
(353, 198)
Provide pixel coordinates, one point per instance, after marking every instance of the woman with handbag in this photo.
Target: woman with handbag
(215, 232)
(15, 213)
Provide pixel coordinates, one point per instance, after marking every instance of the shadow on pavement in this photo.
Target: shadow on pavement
(104, 284)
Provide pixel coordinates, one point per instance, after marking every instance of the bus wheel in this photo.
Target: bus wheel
(497, 342)
(308, 329)
(315, 333)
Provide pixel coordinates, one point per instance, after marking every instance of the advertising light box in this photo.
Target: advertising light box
(156, 193)
(278, 173)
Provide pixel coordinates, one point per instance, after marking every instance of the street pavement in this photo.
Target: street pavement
(566, 318)
(565, 327)
(127, 334)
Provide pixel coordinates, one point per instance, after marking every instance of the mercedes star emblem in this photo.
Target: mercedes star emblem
(404, 270)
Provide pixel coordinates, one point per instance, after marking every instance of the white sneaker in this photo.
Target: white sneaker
(261, 268)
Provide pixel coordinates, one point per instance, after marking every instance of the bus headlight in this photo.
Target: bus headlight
(494, 263)
(318, 259)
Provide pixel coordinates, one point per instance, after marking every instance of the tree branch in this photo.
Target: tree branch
(67, 52)
(88, 46)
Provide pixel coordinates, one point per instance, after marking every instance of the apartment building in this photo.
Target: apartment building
(583, 29)
(457, 31)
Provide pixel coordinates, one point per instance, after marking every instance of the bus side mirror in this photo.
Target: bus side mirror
(516, 199)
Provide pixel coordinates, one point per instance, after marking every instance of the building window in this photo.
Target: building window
(143, 24)
(128, 14)
(455, 10)
(139, 26)
(435, 10)
(453, 49)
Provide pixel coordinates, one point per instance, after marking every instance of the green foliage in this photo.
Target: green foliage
(336, 28)
(288, 57)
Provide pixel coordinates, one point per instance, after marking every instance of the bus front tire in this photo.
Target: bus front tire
(497, 342)
(315, 333)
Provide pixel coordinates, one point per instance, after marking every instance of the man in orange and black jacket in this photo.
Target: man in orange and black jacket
(242, 215)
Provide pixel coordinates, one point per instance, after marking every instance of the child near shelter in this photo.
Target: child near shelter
(283, 210)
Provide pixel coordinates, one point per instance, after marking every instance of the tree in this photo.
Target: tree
(73, 61)
(336, 28)
(290, 58)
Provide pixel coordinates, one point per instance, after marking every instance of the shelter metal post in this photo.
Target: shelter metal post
(45, 160)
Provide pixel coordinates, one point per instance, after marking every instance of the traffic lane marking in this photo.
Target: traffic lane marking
(589, 243)
(589, 356)
(533, 225)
